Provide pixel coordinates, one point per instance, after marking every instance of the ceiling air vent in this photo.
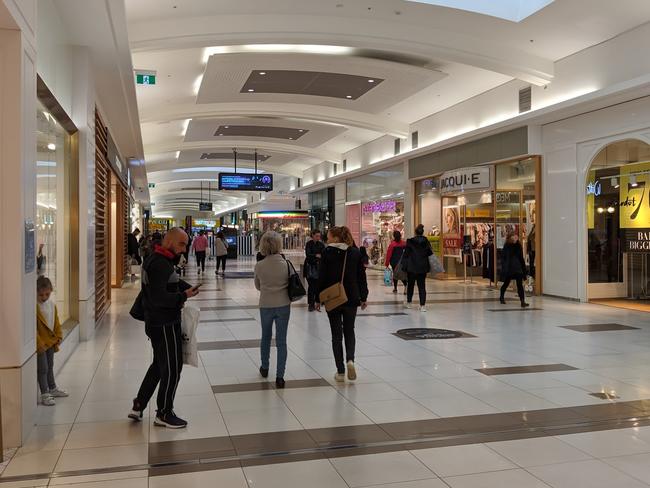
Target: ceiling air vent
(414, 139)
(397, 147)
(525, 99)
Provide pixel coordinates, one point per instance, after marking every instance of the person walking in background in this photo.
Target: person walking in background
(342, 262)
(163, 296)
(416, 262)
(48, 339)
(133, 249)
(393, 256)
(313, 253)
(513, 267)
(200, 245)
(222, 252)
(272, 281)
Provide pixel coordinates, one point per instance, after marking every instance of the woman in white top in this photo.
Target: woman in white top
(221, 246)
(272, 280)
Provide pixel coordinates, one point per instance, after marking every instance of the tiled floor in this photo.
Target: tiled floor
(421, 415)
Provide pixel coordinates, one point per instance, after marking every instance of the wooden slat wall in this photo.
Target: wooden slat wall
(126, 228)
(102, 220)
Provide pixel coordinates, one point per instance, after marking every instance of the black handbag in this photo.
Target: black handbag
(137, 310)
(295, 289)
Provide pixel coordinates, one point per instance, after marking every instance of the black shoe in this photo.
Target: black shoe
(137, 412)
(279, 383)
(503, 301)
(264, 372)
(311, 308)
(169, 420)
(394, 290)
(524, 305)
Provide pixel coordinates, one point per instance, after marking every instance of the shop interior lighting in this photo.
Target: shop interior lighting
(633, 182)
(600, 210)
(614, 182)
(611, 210)
(51, 146)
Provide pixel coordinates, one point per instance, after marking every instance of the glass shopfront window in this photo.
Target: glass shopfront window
(321, 209)
(53, 197)
(375, 209)
(618, 222)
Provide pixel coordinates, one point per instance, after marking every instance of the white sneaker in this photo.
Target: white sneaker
(352, 371)
(423, 308)
(407, 305)
(47, 400)
(339, 377)
(59, 393)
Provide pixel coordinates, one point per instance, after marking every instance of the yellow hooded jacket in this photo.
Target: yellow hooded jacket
(46, 337)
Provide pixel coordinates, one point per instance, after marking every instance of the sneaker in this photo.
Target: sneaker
(59, 393)
(137, 411)
(169, 420)
(423, 308)
(407, 305)
(47, 400)
(339, 377)
(264, 372)
(352, 371)
(524, 304)
(279, 383)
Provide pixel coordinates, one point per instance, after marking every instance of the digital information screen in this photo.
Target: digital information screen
(245, 182)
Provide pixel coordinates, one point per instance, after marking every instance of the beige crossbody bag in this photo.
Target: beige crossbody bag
(334, 296)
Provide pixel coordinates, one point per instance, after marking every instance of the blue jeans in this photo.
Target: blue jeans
(279, 315)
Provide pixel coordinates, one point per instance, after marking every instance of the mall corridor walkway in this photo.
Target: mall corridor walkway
(552, 396)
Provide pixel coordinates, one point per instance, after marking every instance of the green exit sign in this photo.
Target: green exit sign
(152, 185)
(141, 79)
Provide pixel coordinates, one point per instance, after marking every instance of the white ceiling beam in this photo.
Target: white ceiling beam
(356, 32)
(308, 113)
(261, 146)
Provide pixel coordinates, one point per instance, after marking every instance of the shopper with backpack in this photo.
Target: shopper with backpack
(416, 262)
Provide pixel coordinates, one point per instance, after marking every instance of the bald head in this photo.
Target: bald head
(175, 241)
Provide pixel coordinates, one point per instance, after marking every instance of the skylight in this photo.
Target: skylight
(512, 10)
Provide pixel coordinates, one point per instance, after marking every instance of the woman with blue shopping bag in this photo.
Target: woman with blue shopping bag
(393, 258)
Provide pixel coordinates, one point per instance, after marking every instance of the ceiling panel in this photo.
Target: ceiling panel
(226, 74)
(260, 128)
(335, 85)
(246, 158)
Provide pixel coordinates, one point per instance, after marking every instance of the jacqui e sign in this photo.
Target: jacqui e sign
(465, 179)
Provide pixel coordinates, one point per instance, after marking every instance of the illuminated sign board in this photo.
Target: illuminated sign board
(246, 182)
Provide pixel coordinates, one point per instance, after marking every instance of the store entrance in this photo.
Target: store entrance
(618, 226)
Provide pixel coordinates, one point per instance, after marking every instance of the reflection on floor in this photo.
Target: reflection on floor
(638, 305)
(422, 414)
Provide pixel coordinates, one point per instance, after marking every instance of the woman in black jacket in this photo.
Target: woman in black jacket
(513, 267)
(340, 250)
(416, 260)
(313, 252)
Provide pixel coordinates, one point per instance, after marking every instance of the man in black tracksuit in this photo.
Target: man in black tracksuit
(163, 297)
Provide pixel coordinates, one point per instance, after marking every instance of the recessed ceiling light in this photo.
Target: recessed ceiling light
(51, 146)
(262, 73)
(301, 130)
(251, 90)
(348, 96)
(226, 126)
(291, 138)
(371, 81)
(220, 134)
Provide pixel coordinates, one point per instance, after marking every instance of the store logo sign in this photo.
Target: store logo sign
(384, 206)
(465, 179)
(594, 188)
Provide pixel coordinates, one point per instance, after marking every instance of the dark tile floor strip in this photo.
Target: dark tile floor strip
(268, 385)
(222, 345)
(598, 327)
(385, 302)
(238, 319)
(529, 309)
(540, 368)
(238, 451)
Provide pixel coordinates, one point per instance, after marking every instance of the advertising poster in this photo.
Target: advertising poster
(451, 230)
(591, 202)
(353, 219)
(502, 233)
(634, 205)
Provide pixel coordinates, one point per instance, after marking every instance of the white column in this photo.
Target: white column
(17, 206)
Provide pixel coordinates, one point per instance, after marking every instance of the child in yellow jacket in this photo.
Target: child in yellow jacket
(48, 339)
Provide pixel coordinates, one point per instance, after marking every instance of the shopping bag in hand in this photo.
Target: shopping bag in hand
(388, 277)
(189, 324)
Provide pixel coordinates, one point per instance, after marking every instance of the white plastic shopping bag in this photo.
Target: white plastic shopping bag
(189, 324)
